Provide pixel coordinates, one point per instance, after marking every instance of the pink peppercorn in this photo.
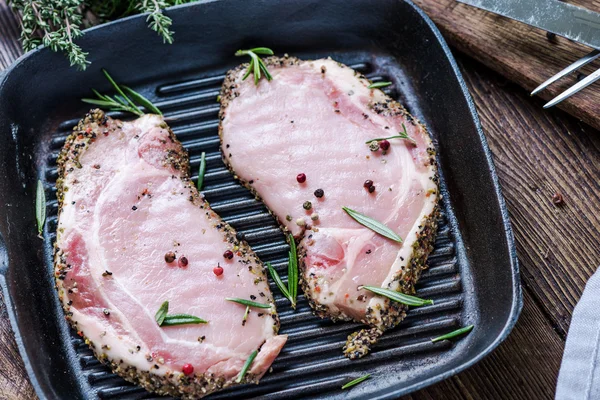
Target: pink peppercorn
(301, 178)
(384, 145)
(188, 369)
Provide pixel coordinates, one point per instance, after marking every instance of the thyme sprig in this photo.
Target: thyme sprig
(454, 334)
(379, 85)
(40, 206)
(121, 101)
(257, 66)
(246, 366)
(373, 225)
(401, 135)
(398, 297)
(356, 381)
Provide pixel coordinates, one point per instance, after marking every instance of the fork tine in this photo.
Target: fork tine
(574, 89)
(573, 67)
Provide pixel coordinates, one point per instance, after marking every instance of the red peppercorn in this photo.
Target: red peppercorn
(218, 270)
(228, 254)
(183, 261)
(301, 178)
(384, 145)
(187, 369)
(368, 183)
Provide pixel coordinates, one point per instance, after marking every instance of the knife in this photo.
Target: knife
(566, 20)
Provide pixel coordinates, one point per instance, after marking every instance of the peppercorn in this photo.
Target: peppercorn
(314, 216)
(288, 217)
(371, 189)
(374, 146)
(384, 145)
(218, 270)
(319, 193)
(170, 257)
(183, 261)
(307, 205)
(301, 178)
(187, 369)
(368, 183)
(228, 254)
(300, 222)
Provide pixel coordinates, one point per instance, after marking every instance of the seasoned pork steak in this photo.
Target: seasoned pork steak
(302, 138)
(133, 232)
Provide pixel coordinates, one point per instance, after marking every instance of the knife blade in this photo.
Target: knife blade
(566, 20)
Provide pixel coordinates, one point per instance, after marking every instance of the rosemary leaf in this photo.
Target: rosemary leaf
(141, 100)
(201, 171)
(398, 297)
(103, 103)
(161, 314)
(453, 334)
(401, 135)
(292, 270)
(278, 282)
(181, 319)
(356, 381)
(265, 51)
(245, 315)
(120, 91)
(40, 206)
(246, 366)
(374, 225)
(248, 302)
(379, 85)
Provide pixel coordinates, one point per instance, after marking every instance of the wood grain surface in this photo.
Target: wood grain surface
(519, 52)
(537, 154)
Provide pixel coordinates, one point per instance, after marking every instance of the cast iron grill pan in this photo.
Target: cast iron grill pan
(472, 275)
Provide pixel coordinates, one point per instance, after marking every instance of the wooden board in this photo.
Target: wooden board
(519, 52)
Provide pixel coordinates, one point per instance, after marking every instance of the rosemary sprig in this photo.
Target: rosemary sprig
(122, 102)
(201, 171)
(181, 319)
(379, 85)
(40, 206)
(161, 314)
(279, 282)
(398, 297)
(256, 64)
(162, 319)
(453, 334)
(248, 302)
(356, 381)
(374, 225)
(292, 271)
(246, 366)
(401, 135)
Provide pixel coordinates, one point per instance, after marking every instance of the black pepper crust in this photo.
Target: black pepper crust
(92, 127)
(358, 343)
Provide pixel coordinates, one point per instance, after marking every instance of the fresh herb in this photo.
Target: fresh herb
(248, 302)
(40, 206)
(398, 297)
(181, 319)
(356, 381)
(453, 334)
(246, 366)
(379, 85)
(374, 225)
(256, 64)
(279, 282)
(292, 270)
(201, 170)
(122, 102)
(161, 314)
(401, 135)
(57, 23)
(245, 315)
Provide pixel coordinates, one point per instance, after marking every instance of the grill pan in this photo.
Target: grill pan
(473, 275)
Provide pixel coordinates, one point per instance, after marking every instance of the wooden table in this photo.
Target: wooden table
(537, 154)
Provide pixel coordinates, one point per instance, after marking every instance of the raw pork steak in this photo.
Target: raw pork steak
(133, 232)
(302, 138)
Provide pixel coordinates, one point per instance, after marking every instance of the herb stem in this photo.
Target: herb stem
(246, 366)
(248, 302)
(201, 170)
(293, 271)
(453, 334)
(356, 381)
(379, 85)
(398, 297)
(401, 135)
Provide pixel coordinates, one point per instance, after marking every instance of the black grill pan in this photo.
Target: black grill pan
(473, 275)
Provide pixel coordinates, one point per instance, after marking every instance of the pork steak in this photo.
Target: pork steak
(300, 138)
(133, 232)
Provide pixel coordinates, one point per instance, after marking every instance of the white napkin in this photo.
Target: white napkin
(579, 377)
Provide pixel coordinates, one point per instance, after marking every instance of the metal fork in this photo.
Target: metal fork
(575, 88)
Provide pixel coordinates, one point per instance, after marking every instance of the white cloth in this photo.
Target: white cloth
(579, 377)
